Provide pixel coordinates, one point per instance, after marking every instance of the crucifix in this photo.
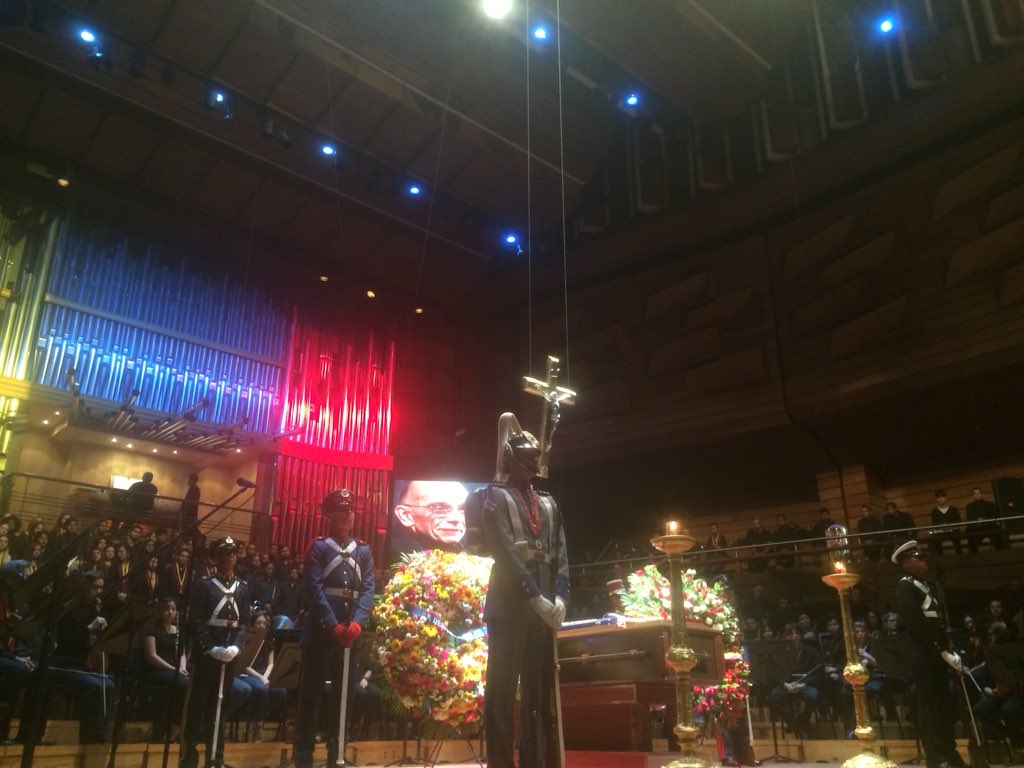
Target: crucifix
(554, 398)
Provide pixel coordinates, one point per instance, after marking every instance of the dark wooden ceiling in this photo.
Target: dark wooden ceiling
(428, 91)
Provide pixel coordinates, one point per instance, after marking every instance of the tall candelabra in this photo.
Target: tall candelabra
(855, 673)
(680, 656)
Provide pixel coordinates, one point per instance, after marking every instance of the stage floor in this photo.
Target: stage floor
(451, 754)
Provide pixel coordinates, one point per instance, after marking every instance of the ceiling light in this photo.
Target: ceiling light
(540, 32)
(238, 450)
(419, 310)
(129, 446)
(63, 180)
(886, 25)
(510, 238)
(632, 100)
(414, 190)
(371, 294)
(324, 278)
(56, 413)
(328, 150)
(86, 35)
(175, 451)
(219, 100)
(46, 422)
(155, 450)
(113, 439)
(496, 9)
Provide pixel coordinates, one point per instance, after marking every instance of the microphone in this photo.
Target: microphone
(243, 483)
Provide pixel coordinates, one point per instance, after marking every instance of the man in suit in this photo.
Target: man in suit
(526, 600)
(921, 612)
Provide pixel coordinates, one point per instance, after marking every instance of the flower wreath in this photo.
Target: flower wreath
(649, 596)
(431, 637)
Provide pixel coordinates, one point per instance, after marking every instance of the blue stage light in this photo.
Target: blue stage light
(86, 35)
(328, 150)
(886, 25)
(415, 190)
(540, 32)
(511, 238)
(632, 100)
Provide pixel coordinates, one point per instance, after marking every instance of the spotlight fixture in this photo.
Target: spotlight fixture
(328, 150)
(324, 278)
(86, 35)
(886, 25)
(540, 33)
(418, 310)
(414, 190)
(63, 180)
(510, 238)
(632, 100)
(371, 294)
(496, 9)
(219, 100)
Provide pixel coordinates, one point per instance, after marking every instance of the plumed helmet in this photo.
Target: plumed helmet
(338, 501)
(515, 444)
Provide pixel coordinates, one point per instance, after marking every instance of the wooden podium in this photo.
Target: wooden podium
(616, 688)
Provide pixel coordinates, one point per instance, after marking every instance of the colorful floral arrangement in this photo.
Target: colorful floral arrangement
(431, 638)
(649, 595)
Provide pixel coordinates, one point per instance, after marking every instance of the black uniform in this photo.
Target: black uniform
(529, 560)
(924, 642)
(218, 615)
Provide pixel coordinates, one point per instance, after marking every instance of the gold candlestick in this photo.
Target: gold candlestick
(855, 673)
(680, 656)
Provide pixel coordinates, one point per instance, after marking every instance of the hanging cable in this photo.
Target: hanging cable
(529, 208)
(561, 179)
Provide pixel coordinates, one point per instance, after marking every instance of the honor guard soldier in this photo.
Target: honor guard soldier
(339, 586)
(218, 614)
(926, 657)
(526, 599)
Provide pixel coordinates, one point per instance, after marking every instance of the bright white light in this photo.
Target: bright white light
(540, 33)
(415, 190)
(87, 35)
(496, 9)
(632, 100)
(329, 150)
(886, 25)
(511, 238)
(218, 97)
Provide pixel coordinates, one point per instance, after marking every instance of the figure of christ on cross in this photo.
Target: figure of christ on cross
(554, 397)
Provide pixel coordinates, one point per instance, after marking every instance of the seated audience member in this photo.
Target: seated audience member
(293, 597)
(759, 539)
(264, 700)
(165, 668)
(77, 631)
(794, 700)
(783, 537)
(897, 527)
(982, 522)
(146, 583)
(945, 526)
(265, 590)
(5, 549)
(870, 529)
(177, 577)
(1001, 705)
(120, 579)
(817, 531)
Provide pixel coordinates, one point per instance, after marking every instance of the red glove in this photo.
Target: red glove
(340, 632)
(354, 630)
